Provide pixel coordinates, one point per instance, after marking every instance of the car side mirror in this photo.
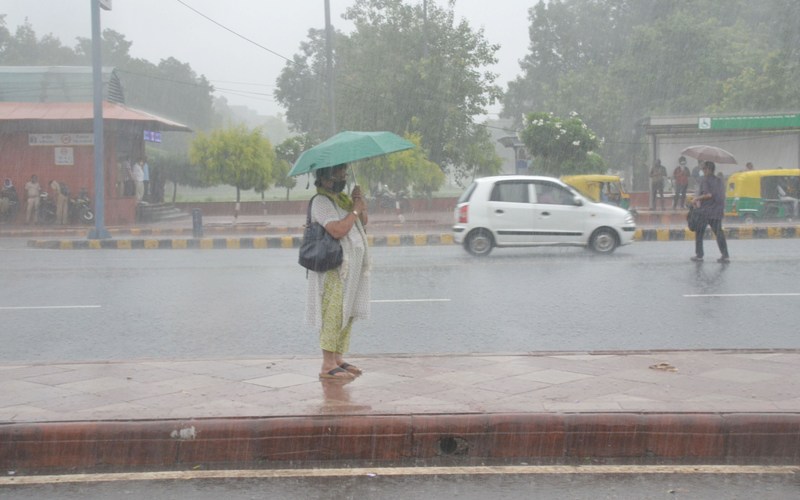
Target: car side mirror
(577, 201)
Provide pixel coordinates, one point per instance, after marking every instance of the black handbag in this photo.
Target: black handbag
(695, 219)
(319, 251)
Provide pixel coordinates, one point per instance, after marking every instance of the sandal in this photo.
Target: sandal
(353, 369)
(337, 373)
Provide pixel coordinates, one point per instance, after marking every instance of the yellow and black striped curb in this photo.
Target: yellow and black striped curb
(390, 240)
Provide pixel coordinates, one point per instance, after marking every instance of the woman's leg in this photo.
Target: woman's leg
(333, 338)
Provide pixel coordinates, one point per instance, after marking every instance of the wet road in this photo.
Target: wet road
(119, 304)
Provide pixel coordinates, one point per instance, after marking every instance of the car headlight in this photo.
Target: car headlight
(629, 219)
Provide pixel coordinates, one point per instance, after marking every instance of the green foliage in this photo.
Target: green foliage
(280, 176)
(480, 157)
(170, 89)
(403, 170)
(618, 61)
(235, 156)
(560, 146)
(397, 71)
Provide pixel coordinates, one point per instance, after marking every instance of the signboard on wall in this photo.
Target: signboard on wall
(151, 136)
(750, 122)
(60, 139)
(65, 156)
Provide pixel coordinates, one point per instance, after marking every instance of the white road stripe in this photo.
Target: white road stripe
(22, 308)
(744, 295)
(399, 471)
(395, 301)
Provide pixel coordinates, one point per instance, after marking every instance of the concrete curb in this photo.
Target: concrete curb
(741, 438)
(389, 240)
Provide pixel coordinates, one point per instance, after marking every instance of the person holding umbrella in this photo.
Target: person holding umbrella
(710, 201)
(338, 297)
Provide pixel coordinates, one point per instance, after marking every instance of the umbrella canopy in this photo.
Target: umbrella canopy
(346, 147)
(709, 153)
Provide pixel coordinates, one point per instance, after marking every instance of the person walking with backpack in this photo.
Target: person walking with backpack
(710, 201)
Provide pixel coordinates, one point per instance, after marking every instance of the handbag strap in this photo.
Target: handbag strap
(308, 210)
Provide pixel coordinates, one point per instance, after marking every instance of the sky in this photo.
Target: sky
(243, 72)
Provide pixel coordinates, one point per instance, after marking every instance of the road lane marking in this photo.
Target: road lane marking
(22, 308)
(397, 301)
(400, 471)
(743, 295)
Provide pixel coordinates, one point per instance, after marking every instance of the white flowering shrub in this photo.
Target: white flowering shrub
(561, 146)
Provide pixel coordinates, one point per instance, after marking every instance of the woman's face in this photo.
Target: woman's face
(337, 180)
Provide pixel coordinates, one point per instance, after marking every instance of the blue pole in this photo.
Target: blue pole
(99, 231)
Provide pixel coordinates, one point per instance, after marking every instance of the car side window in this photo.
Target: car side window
(511, 192)
(551, 194)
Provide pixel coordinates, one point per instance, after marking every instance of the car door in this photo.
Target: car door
(511, 213)
(558, 219)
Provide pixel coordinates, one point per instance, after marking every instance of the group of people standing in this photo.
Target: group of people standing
(33, 192)
(136, 178)
(681, 176)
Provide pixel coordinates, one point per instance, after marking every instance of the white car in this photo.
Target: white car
(525, 210)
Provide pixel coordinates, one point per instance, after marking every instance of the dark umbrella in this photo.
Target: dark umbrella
(346, 147)
(709, 153)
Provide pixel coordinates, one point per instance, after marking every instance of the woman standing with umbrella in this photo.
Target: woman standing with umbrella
(710, 201)
(338, 297)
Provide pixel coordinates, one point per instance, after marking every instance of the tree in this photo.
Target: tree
(235, 156)
(560, 146)
(403, 170)
(618, 61)
(287, 153)
(24, 48)
(398, 71)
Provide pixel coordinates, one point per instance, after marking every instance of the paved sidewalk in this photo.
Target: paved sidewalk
(697, 405)
(670, 381)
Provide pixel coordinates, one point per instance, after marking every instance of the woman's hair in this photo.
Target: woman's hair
(322, 174)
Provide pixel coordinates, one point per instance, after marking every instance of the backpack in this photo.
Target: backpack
(63, 188)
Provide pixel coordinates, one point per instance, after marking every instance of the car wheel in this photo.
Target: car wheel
(603, 240)
(479, 242)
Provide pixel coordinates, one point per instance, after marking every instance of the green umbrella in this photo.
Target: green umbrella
(346, 147)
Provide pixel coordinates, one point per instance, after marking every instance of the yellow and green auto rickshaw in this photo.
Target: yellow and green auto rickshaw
(600, 188)
(763, 194)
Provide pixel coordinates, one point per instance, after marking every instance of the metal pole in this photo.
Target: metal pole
(99, 231)
(329, 49)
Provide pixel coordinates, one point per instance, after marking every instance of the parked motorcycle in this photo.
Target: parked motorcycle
(9, 202)
(47, 209)
(80, 209)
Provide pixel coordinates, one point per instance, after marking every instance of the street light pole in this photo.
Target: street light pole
(99, 231)
(329, 50)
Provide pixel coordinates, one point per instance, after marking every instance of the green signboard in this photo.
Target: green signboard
(751, 122)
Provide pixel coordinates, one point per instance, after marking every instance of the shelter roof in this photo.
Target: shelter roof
(56, 84)
(38, 112)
